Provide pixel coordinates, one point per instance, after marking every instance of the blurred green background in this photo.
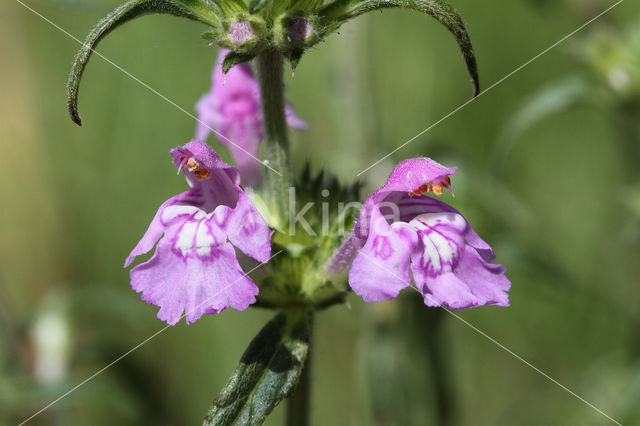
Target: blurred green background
(548, 174)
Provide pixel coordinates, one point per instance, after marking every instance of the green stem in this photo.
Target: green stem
(298, 404)
(278, 175)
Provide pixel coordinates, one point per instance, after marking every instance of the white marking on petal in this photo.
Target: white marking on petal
(430, 220)
(431, 256)
(204, 239)
(171, 212)
(446, 248)
(442, 236)
(186, 237)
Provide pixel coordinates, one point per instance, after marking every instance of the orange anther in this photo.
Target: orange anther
(202, 173)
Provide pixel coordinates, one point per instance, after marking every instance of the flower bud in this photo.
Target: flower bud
(244, 34)
(300, 29)
(295, 32)
(240, 32)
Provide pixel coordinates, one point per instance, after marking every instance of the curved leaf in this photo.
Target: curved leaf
(340, 11)
(233, 58)
(198, 10)
(268, 372)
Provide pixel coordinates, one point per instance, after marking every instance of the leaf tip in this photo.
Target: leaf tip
(75, 117)
(476, 89)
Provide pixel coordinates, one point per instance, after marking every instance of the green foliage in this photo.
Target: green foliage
(341, 11)
(271, 23)
(268, 372)
(233, 58)
(571, 308)
(298, 275)
(198, 10)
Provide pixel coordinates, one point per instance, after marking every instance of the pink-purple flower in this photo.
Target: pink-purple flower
(402, 232)
(194, 269)
(232, 108)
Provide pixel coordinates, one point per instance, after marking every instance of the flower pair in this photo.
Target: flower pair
(401, 234)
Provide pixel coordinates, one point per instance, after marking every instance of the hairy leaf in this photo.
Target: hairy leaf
(233, 58)
(340, 11)
(267, 373)
(198, 10)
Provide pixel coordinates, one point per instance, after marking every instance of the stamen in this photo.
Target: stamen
(435, 187)
(419, 191)
(192, 164)
(202, 173)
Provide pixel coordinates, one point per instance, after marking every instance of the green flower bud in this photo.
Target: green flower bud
(321, 213)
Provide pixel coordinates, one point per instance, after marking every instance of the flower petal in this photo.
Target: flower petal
(293, 120)
(341, 260)
(212, 286)
(410, 207)
(473, 283)
(206, 157)
(441, 237)
(449, 291)
(160, 282)
(181, 207)
(381, 268)
(177, 284)
(246, 228)
(413, 173)
(194, 267)
(233, 109)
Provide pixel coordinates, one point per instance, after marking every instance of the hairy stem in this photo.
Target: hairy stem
(298, 404)
(278, 175)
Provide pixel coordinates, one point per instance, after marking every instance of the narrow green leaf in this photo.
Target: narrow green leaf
(233, 58)
(212, 36)
(198, 10)
(267, 373)
(336, 13)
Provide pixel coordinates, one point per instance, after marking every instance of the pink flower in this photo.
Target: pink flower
(194, 267)
(232, 108)
(449, 262)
